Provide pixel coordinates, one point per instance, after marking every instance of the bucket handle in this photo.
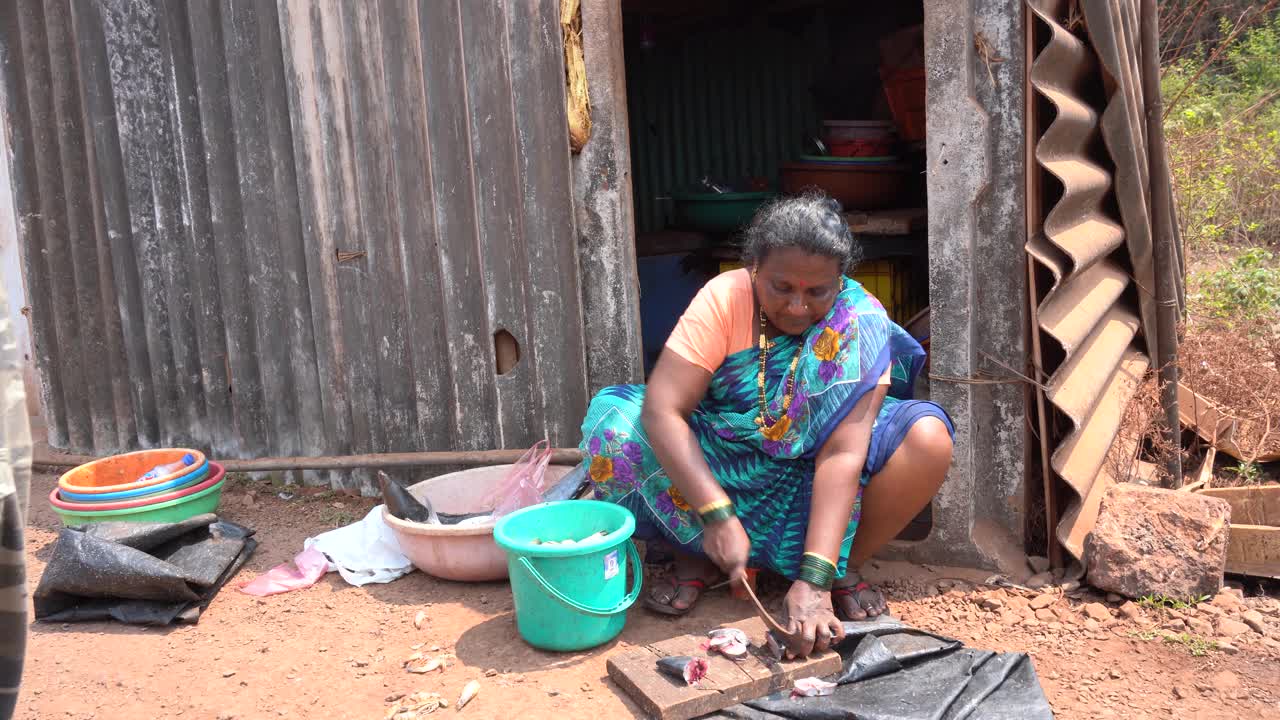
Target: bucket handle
(633, 556)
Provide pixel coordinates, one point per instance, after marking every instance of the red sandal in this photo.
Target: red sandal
(676, 585)
(850, 592)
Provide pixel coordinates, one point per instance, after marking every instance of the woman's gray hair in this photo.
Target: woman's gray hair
(811, 222)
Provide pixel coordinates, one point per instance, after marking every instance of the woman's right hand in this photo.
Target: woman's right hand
(726, 543)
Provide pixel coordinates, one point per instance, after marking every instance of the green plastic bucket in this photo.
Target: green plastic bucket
(570, 597)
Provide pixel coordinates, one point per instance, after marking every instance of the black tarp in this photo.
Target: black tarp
(896, 672)
(140, 573)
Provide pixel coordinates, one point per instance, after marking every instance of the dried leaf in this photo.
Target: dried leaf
(468, 692)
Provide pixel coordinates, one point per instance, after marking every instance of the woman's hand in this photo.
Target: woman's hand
(728, 546)
(808, 614)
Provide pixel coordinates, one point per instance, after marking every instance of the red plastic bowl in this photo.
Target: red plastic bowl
(216, 474)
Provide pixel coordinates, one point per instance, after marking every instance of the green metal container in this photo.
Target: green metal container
(717, 212)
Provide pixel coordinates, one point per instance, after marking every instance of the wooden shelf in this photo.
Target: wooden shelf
(899, 221)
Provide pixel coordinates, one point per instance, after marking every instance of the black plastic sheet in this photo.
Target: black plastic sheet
(895, 672)
(141, 573)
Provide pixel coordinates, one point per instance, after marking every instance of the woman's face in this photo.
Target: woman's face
(796, 288)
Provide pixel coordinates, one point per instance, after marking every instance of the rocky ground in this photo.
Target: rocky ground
(334, 651)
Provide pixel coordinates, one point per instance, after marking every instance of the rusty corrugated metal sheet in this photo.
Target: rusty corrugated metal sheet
(1094, 308)
(295, 227)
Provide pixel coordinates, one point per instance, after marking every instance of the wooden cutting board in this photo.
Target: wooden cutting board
(727, 683)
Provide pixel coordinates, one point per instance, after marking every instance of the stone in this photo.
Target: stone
(993, 628)
(1070, 586)
(1131, 611)
(1200, 626)
(1040, 580)
(1040, 602)
(991, 604)
(1232, 628)
(1180, 692)
(1098, 612)
(1210, 609)
(1225, 682)
(1031, 623)
(1175, 625)
(1092, 625)
(1114, 598)
(1228, 648)
(1254, 619)
(1227, 600)
(1045, 615)
(1038, 564)
(1151, 541)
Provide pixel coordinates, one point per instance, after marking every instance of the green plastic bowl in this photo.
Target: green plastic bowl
(718, 212)
(177, 510)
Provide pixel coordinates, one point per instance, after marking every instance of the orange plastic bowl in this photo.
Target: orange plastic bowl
(216, 473)
(121, 472)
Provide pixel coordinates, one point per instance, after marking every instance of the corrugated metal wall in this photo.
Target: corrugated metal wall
(1092, 255)
(729, 103)
(294, 227)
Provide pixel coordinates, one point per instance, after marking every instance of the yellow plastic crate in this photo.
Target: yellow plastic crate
(884, 279)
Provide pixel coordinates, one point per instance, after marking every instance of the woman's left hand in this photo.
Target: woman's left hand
(808, 614)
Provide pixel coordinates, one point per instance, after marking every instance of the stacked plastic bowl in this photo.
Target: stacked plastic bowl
(114, 488)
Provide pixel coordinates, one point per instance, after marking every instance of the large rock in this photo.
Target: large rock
(1149, 541)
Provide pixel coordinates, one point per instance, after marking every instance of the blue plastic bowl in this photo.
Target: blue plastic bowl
(194, 476)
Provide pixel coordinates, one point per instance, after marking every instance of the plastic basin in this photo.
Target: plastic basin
(570, 597)
(718, 212)
(857, 186)
(466, 554)
(176, 510)
(212, 479)
(196, 476)
(121, 472)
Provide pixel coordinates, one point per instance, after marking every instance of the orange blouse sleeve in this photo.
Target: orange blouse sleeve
(703, 333)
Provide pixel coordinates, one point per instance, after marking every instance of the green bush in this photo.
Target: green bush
(1223, 134)
(1248, 289)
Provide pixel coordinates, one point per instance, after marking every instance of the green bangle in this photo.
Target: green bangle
(724, 512)
(817, 572)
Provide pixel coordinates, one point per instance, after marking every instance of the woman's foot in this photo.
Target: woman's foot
(855, 599)
(677, 593)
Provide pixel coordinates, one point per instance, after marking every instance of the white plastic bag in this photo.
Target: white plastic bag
(363, 552)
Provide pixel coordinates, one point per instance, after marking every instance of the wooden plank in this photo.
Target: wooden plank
(727, 682)
(504, 256)
(1251, 505)
(470, 344)
(1254, 550)
(559, 374)
(903, 221)
(415, 204)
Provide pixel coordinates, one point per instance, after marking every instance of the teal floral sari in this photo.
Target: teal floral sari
(767, 473)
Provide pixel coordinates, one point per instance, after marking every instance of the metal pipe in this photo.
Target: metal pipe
(1164, 255)
(559, 456)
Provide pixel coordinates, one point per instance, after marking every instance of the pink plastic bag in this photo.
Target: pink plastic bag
(523, 485)
(305, 570)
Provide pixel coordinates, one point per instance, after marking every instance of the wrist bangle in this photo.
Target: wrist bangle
(823, 558)
(817, 571)
(718, 513)
(715, 505)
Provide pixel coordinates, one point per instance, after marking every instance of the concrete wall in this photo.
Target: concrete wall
(977, 275)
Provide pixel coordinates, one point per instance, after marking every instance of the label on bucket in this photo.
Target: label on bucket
(611, 565)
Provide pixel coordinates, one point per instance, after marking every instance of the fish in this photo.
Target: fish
(684, 667)
(812, 687)
(568, 486)
(402, 504)
(470, 691)
(730, 642)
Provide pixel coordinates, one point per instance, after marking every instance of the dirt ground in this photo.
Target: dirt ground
(335, 651)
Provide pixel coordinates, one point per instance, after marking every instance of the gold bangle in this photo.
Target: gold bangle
(821, 557)
(715, 505)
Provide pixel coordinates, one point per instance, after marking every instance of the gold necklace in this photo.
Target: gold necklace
(763, 420)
